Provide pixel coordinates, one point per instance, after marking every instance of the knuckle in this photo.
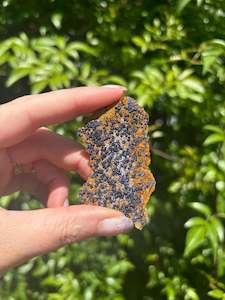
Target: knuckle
(69, 231)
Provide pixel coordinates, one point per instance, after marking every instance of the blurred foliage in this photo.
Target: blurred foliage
(171, 56)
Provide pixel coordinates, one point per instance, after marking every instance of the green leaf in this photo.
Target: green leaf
(138, 41)
(43, 42)
(4, 47)
(218, 227)
(214, 138)
(191, 294)
(202, 208)
(139, 74)
(199, 2)
(154, 74)
(39, 86)
(85, 70)
(117, 80)
(185, 74)
(219, 42)
(195, 97)
(213, 238)
(194, 239)
(72, 52)
(80, 46)
(181, 5)
(218, 294)
(56, 20)
(195, 221)
(220, 203)
(70, 65)
(214, 128)
(194, 84)
(61, 43)
(5, 58)
(17, 75)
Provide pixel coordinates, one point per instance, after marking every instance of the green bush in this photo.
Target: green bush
(171, 57)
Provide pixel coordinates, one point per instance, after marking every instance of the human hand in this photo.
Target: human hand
(44, 158)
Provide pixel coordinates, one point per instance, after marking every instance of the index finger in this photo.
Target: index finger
(19, 118)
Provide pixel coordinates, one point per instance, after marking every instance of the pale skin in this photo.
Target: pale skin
(46, 158)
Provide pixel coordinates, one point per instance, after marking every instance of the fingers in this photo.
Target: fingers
(60, 151)
(26, 114)
(26, 234)
(5, 169)
(27, 183)
(57, 182)
(49, 184)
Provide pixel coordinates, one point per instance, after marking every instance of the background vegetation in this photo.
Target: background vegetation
(171, 56)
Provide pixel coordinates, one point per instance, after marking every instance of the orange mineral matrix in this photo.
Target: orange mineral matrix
(118, 146)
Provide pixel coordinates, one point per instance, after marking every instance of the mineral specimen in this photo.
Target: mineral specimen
(118, 146)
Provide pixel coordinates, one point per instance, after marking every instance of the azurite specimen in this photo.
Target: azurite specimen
(118, 145)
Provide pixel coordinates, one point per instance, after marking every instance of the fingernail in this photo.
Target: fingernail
(66, 203)
(114, 226)
(115, 86)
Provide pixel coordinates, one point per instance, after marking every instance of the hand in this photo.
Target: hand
(44, 158)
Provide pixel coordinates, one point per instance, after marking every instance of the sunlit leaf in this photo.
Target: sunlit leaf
(57, 20)
(17, 75)
(213, 238)
(214, 138)
(4, 47)
(200, 2)
(139, 74)
(185, 74)
(181, 4)
(194, 239)
(219, 42)
(138, 41)
(195, 221)
(85, 70)
(39, 86)
(218, 227)
(191, 294)
(117, 80)
(214, 129)
(83, 48)
(200, 207)
(217, 294)
(194, 85)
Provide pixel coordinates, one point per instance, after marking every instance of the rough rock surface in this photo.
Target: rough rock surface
(118, 145)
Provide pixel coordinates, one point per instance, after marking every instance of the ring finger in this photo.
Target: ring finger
(60, 151)
(47, 182)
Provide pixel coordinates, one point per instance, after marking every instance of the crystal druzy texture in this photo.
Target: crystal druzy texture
(118, 146)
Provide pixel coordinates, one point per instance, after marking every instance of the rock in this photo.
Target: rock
(118, 146)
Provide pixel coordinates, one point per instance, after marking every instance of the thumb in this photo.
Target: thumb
(26, 234)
